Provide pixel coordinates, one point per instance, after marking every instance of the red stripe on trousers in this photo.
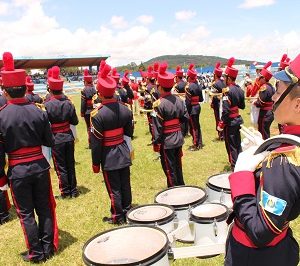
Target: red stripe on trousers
(110, 195)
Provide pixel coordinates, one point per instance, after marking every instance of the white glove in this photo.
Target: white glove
(252, 138)
(247, 161)
(5, 187)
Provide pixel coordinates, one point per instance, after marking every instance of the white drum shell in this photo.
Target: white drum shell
(184, 215)
(219, 197)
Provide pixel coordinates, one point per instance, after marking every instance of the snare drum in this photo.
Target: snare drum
(182, 198)
(160, 215)
(218, 189)
(129, 245)
(210, 225)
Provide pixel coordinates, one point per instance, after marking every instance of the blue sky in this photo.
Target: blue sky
(139, 30)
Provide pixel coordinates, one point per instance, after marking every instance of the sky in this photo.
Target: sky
(136, 31)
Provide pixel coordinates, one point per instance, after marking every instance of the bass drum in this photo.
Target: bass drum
(129, 245)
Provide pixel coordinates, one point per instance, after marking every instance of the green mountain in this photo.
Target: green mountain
(184, 61)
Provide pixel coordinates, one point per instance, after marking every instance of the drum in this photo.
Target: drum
(210, 225)
(129, 245)
(218, 189)
(160, 215)
(182, 199)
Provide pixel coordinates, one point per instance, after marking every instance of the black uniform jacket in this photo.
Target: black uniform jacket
(233, 99)
(169, 107)
(193, 95)
(87, 100)
(23, 125)
(109, 123)
(62, 114)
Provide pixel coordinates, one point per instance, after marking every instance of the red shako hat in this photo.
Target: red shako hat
(155, 69)
(29, 84)
(191, 72)
(86, 76)
(150, 72)
(55, 82)
(11, 77)
(179, 72)
(106, 85)
(218, 71)
(115, 75)
(284, 62)
(229, 70)
(125, 79)
(265, 72)
(164, 78)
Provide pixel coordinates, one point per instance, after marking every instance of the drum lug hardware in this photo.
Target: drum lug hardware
(170, 253)
(104, 239)
(215, 227)
(156, 224)
(222, 197)
(189, 211)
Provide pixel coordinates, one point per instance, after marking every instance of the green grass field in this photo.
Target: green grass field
(81, 218)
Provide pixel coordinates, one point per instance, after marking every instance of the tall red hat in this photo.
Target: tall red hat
(164, 78)
(106, 85)
(86, 76)
(11, 77)
(125, 79)
(265, 72)
(191, 72)
(29, 84)
(49, 73)
(102, 64)
(229, 70)
(150, 72)
(55, 82)
(179, 72)
(155, 69)
(284, 62)
(218, 71)
(115, 75)
(295, 66)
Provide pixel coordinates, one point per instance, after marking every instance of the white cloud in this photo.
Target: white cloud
(38, 35)
(3, 8)
(185, 15)
(247, 4)
(118, 22)
(145, 19)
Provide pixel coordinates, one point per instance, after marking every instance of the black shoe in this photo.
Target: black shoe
(110, 220)
(193, 148)
(200, 147)
(75, 195)
(5, 219)
(49, 255)
(25, 257)
(61, 197)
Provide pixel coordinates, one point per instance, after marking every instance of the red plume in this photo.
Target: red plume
(105, 71)
(191, 66)
(126, 73)
(8, 61)
(267, 65)
(288, 60)
(114, 72)
(102, 64)
(283, 58)
(218, 64)
(150, 69)
(86, 72)
(55, 72)
(230, 61)
(163, 68)
(156, 66)
(49, 73)
(178, 68)
(28, 79)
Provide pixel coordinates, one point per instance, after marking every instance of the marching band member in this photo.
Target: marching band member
(30, 95)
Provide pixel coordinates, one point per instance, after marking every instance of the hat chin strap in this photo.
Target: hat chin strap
(283, 95)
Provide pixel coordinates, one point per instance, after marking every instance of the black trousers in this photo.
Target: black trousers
(265, 119)
(87, 119)
(195, 129)
(232, 139)
(4, 206)
(119, 191)
(171, 163)
(216, 107)
(285, 252)
(33, 195)
(64, 164)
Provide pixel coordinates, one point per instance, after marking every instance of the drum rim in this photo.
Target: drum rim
(147, 261)
(161, 221)
(184, 206)
(209, 220)
(217, 188)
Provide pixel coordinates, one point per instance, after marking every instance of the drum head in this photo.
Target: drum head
(209, 212)
(181, 197)
(129, 245)
(150, 214)
(219, 182)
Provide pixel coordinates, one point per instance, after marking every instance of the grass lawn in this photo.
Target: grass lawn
(81, 218)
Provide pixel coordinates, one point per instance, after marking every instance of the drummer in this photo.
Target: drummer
(266, 189)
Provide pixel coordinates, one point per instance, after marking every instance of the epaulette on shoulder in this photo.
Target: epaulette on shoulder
(95, 96)
(290, 154)
(95, 111)
(156, 103)
(225, 90)
(263, 87)
(40, 106)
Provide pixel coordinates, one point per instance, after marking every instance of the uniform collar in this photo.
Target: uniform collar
(166, 93)
(107, 101)
(17, 101)
(294, 129)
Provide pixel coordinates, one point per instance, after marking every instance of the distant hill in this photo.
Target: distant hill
(184, 61)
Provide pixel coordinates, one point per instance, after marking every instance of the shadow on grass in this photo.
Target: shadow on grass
(83, 190)
(65, 240)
